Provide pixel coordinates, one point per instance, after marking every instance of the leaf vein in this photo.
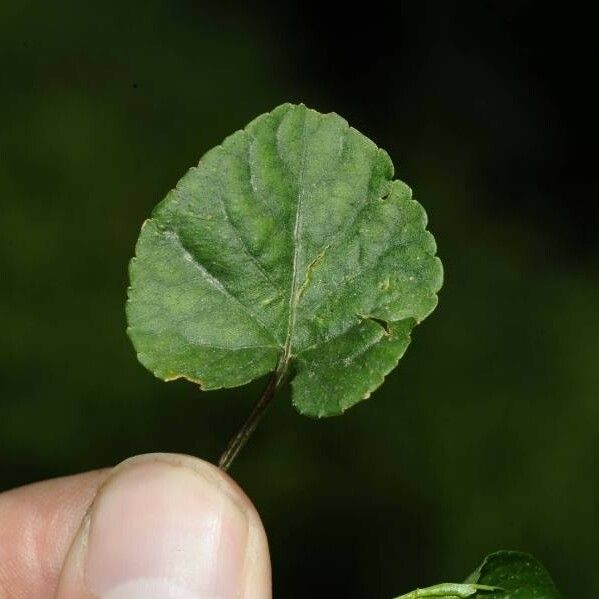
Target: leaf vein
(244, 244)
(296, 250)
(215, 283)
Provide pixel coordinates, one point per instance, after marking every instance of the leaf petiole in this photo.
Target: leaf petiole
(249, 426)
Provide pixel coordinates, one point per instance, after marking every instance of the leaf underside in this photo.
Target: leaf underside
(289, 245)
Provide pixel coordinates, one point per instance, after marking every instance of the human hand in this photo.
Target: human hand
(158, 526)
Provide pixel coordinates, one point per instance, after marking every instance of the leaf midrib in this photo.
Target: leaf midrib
(294, 296)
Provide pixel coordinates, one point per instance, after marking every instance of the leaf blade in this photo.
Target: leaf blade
(292, 237)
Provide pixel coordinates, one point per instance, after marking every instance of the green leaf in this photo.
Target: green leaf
(502, 575)
(288, 247)
(449, 590)
(519, 575)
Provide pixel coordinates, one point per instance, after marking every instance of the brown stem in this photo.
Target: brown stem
(241, 438)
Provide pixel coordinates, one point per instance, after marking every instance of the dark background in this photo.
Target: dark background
(486, 436)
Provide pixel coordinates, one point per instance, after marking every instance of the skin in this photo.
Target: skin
(45, 527)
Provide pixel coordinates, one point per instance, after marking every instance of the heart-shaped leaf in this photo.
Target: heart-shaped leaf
(288, 246)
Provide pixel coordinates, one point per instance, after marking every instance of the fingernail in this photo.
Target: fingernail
(162, 531)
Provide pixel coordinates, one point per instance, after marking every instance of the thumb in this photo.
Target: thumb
(166, 526)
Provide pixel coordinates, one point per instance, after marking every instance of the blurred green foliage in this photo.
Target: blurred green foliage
(484, 437)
